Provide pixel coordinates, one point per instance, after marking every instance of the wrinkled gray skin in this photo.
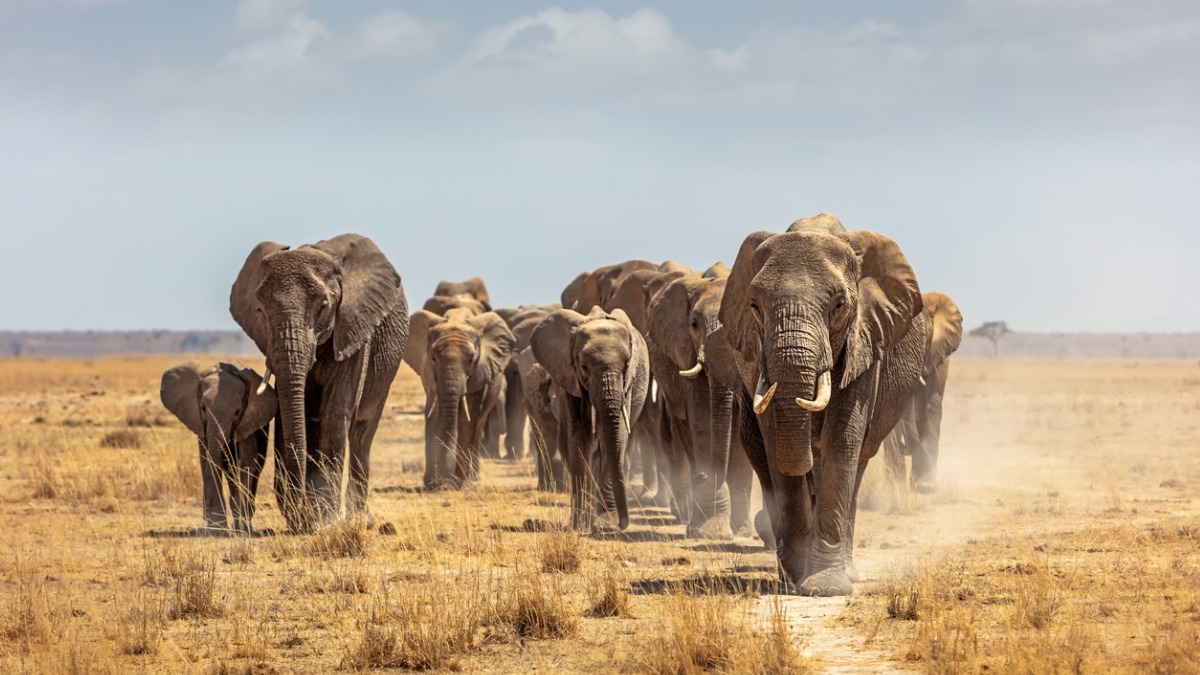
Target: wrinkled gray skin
(681, 319)
(919, 431)
(819, 299)
(541, 400)
(332, 320)
(230, 418)
(461, 358)
(600, 363)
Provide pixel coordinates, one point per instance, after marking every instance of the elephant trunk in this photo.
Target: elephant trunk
(450, 391)
(293, 355)
(795, 362)
(614, 435)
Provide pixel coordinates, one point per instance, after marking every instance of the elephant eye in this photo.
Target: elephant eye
(840, 301)
(695, 323)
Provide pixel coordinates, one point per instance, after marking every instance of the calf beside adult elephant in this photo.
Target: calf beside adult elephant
(332, 320)
(599, 363)
(827, 330)
(230, 417)
(919, 432)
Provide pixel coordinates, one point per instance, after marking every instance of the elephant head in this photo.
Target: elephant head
(223, 407)
(599, 361)
(472, 288)
(682, 319)
(806, 305)
(921, 426)
(457, 355)
(946, 334)
(325, 299)
(440, 304)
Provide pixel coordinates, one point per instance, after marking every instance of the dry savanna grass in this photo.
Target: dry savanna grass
(1064, 538)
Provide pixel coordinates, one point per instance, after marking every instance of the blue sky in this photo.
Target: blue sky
(1035, 159)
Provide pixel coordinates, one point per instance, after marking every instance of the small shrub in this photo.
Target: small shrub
(529, 610)
(343, 539)
(612, 601)
(561, 552)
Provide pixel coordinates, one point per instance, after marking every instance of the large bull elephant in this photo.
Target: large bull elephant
(230, 417)
(919, 432)
(461, 359)
(600, 365)
(332, 320)
(829, 337)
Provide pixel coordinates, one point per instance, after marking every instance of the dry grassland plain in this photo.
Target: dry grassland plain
(1064, 538)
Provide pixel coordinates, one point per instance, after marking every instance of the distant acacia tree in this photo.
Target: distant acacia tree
(992, 330)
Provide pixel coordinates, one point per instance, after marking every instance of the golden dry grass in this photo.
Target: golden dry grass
(1064, 539)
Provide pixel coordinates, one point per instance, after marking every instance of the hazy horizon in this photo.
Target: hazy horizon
(1037, 161)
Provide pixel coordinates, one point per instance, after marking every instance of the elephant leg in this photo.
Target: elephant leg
(210, 475)
(362, 433)
(741, 486)
(929, 431)
(490, 445)
(251, 456)
(893, 455)
(325, 478)
(848, 546)
(578, 444)
(836, 480)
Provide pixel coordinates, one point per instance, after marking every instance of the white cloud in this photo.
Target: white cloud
(260, 16)
(579, 50)
(279, 52)
(392, 34)
(729, 61)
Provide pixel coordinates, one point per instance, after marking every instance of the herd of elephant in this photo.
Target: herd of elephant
(793, 365)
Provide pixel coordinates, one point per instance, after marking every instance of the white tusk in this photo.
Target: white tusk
(466, 409)
(922, 379)
(653, 391)
(693, 371)
(432, 409)
(625, 417)
(262, 386)
(763, 396)
(824, 388)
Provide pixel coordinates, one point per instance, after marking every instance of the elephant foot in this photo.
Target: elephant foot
(852, 572)
(605, 525)
(925, 485)
(827, 583)
(762, 525)
(658, 498)
(743, 531)
(714, 528)
(213, 531)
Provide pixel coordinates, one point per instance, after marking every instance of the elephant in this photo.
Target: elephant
(919, 431)
(440, 304)
(599, 362)
(700, 407)
(596, 288)
(803, 310)
(521, 321)
(223, 407)
(332, 320)
(541, 400)
(461, 359)
(473, 288)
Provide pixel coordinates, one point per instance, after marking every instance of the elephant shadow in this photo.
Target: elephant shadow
(637, 536)
(730, 547)
(728, 583)
(205, 533)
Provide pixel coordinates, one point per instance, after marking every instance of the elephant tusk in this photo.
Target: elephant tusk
(432, 409)
(922, 380)
(824, 389)
(763, 396)
(262, 386)
(625, 417)
(693, 371)
(653, 391)
(466, 409)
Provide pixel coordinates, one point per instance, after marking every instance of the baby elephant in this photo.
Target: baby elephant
(225, 409)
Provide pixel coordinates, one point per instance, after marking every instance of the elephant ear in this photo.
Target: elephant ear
(888, 301)
(719, 270)
(370, 291)
(722, 361)
(243, 297)
(180, 393)
(417, 349)
(570, 294)
(496, 344)
(551, 344)
(741, 329)
(260, 408)
(670, 315)
(637, 345)
(947, 328)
